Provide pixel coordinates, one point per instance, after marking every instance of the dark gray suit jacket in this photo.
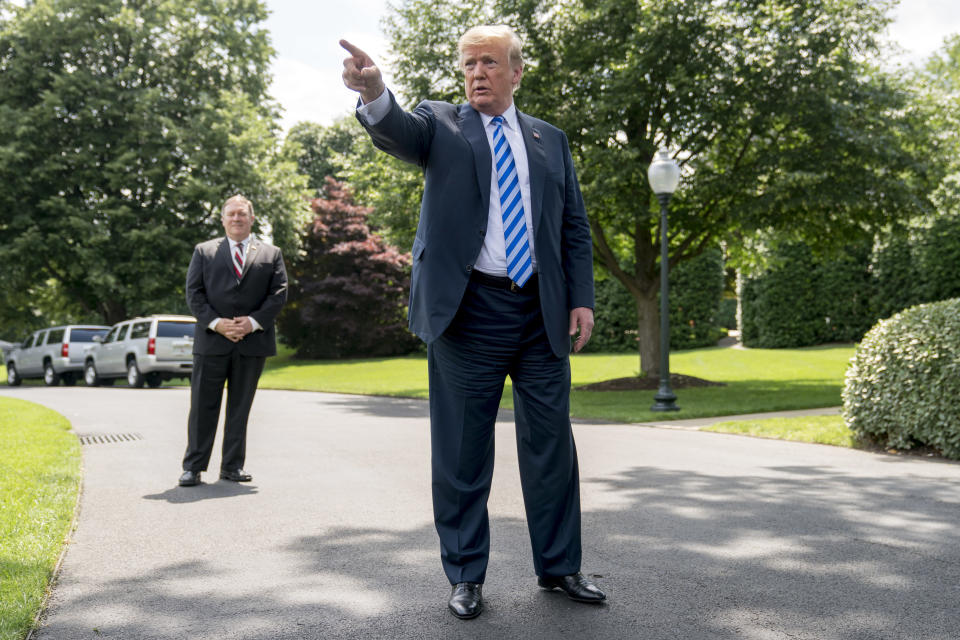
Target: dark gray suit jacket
(448, 142)
(213, 292)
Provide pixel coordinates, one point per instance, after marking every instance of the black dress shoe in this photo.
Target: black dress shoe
(576, 586)
(235, 475)
(466, 600)
(190, 479)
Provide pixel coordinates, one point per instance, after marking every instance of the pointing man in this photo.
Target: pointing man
(502, 277)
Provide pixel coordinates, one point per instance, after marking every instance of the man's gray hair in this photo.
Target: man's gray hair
(240, 199)
(486, 33)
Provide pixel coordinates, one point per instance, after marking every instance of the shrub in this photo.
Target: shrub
(903, 382)
(781, 308)
(349, 290)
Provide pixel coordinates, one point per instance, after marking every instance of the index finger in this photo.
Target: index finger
(354, 50)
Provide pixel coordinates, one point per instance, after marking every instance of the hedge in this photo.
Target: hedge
(803, 299)
(903, 382)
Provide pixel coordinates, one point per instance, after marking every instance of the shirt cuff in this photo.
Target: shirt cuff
(375, 111)
(255, 324)
(213, 324)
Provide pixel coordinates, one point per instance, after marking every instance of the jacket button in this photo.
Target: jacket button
(469, 268)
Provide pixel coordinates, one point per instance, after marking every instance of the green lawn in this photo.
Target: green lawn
(818, 429)
(757, 380)
(39, 482)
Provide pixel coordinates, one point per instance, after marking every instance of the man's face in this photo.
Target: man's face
(488, 77)
(237, 221)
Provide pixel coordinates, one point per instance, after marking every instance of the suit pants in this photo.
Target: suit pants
(210, 372)
(497, 333)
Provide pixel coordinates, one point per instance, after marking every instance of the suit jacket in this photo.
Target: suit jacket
(213, 292)
(448, 142)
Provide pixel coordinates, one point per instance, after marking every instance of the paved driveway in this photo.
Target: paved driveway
(693, 535)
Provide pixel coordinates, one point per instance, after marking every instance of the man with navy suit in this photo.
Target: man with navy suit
(502, 277)
(235, 288)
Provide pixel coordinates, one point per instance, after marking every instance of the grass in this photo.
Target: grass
(39, 482)
(817, 429)
(757, 380)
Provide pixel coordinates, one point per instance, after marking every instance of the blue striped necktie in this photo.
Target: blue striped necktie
(519, 263)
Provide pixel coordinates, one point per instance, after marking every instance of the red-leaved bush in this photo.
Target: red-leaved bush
(348, 293)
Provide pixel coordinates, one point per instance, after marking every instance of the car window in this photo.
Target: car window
(85, 335)
(29, 341)
(123, 332)
(55, 335)
(40, 338)
(171, 329)
(112, 335)
(140, 330)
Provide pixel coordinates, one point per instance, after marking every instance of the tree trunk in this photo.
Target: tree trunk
(648, 332)
(112, 311)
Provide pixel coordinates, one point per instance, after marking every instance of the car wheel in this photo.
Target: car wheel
(69, 379)
(154, 380)
(50, 377)
(134, 377)
(13, 377)
(90, 376)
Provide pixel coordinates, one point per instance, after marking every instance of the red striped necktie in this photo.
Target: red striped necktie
(238, 260)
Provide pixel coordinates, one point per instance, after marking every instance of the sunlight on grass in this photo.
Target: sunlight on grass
(817, 429)
(757, 380)
(39, 481)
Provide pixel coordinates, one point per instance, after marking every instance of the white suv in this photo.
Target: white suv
(55, 354)
(148, 350)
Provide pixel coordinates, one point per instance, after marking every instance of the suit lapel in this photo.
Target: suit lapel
(537, 165)
(252, 250)
(224, 258)
(472, 127)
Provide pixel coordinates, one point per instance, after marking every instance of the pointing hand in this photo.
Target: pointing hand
(361, 74)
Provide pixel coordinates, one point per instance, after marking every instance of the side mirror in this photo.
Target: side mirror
(98, 338)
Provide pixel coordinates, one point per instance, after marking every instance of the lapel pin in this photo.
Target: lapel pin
(536, 134)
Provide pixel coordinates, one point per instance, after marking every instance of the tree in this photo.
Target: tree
(772, 108)
(348, 292)
(343, 151)
(124, 124)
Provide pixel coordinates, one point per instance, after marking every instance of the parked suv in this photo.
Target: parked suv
(147, 350)
(53, 354)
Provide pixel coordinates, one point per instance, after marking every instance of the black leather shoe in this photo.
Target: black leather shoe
(576, 586)
(466, 600)
(235, 475)
(190, 479)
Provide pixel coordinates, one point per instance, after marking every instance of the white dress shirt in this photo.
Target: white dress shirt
(493, 254)
(243, 252)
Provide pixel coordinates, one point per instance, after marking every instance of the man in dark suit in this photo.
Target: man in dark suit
(502, 278)
(236, 286)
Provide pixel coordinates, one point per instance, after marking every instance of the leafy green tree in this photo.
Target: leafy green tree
(772, 107)
(343, 151)
(124, 124)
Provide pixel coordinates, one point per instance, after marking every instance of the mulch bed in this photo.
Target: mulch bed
(633, 383)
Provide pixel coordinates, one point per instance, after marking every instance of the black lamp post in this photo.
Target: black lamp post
(664, 176)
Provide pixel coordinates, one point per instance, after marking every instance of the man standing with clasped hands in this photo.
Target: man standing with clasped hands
(502, 278)
(235, 287)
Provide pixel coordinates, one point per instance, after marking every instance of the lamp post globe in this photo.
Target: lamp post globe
(664, 176)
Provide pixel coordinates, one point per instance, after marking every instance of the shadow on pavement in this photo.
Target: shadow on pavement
(204, 491)
(390, 407)
(793, 552)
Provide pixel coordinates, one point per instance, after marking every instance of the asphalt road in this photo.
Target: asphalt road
(692, 535)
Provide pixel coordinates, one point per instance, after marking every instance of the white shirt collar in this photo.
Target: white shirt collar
(509, 118)
(243, 243)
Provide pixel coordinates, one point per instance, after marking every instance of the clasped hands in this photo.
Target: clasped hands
(234, 329)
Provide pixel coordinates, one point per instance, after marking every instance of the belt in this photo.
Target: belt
(503, 282)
